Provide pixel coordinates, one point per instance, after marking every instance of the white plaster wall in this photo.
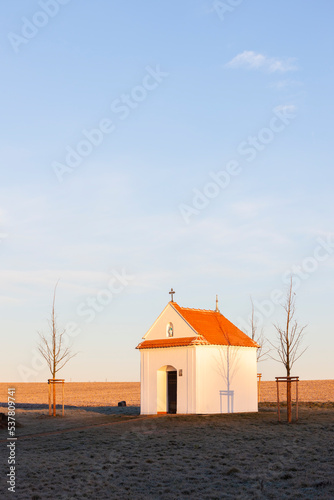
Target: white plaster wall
(169, 314)
(152, 360)
(212, 377)
(161, 390)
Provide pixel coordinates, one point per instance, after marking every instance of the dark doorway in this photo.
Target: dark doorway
(172, 391)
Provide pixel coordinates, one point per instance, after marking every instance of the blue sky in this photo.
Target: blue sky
(185, 92)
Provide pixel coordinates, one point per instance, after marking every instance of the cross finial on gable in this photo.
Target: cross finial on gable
(217, 308)
(171, 293)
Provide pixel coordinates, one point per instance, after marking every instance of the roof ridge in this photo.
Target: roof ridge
(201, 310)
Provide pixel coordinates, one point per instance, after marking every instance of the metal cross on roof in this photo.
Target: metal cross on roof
(172, 293)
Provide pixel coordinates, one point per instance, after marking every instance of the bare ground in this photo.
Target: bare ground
(100, 451)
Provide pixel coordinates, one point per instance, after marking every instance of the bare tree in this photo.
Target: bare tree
(289, 339)
(52, 348)
(258, 337)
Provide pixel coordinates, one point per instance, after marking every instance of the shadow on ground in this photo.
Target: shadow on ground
(105, 410)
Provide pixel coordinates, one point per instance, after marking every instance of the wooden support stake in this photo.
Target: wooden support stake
(288, 381)
(63, 397)
(288, 399)
(297, 400)
(54, 398)
(49, 397)
(259, 375)
(52, 382)
(278, 410)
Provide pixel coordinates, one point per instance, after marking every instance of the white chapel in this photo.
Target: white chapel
(197, 361)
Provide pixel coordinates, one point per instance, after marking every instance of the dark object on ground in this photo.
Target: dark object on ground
(122, 403)
(3, 421)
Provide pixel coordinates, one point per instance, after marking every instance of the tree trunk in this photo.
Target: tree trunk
(288, 397)
(54, 399)
(54, 359)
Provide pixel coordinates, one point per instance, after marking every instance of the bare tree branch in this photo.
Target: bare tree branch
(263, 351)
(288, 339)
(52, 349)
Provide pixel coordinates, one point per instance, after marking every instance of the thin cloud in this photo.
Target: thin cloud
(286, 108)
(285, 84)
(3, 217)
(252, 60)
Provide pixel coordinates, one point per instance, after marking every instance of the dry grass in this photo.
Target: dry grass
(308, 390)
(77, 393)
(110, 393)
(100, 451)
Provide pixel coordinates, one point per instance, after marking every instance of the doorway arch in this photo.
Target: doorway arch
(167, 390)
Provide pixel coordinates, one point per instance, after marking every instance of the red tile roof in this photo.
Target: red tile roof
(212, 328)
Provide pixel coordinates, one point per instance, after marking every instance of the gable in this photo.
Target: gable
(181, 329)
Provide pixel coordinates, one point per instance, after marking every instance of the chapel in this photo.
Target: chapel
(197, 361)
